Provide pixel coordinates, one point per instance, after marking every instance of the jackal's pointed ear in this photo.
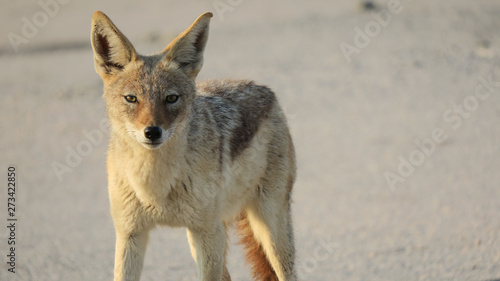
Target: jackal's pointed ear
(112, 50)
(186, 50)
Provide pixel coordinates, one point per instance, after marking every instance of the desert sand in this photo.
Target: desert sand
(393, 106)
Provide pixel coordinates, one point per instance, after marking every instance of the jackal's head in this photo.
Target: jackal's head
(148, 97)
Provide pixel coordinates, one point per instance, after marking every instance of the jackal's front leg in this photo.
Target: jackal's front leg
(208, 248)
(129, 255)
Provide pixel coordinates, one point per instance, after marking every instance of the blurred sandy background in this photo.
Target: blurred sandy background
(418, 93)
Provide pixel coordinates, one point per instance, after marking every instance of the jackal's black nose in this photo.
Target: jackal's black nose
(152, 133)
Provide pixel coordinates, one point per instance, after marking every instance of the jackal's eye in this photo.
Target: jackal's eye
(172, 98)
(131, 99)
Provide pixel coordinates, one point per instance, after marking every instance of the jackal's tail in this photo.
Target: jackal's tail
(256, 257)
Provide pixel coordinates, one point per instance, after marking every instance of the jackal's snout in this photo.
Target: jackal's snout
(153, 133)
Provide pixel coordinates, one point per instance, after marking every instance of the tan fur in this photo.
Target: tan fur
(220, 149)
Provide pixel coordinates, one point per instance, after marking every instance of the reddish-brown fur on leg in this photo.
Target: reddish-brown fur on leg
(256, 257)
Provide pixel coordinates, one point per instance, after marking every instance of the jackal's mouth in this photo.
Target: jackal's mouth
(150, 139)
(152, 145)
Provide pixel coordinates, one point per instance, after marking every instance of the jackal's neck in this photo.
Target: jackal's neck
(136, 158)
(150, 173)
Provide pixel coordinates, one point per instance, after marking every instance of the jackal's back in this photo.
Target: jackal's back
(239, 108)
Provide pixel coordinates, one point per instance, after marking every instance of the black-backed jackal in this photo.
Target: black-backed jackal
(192, 155)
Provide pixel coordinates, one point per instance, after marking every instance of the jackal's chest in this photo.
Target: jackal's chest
(159, 203)
(151, 182)
(169, 197)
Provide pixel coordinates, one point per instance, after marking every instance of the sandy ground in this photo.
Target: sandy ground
(417, 93)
